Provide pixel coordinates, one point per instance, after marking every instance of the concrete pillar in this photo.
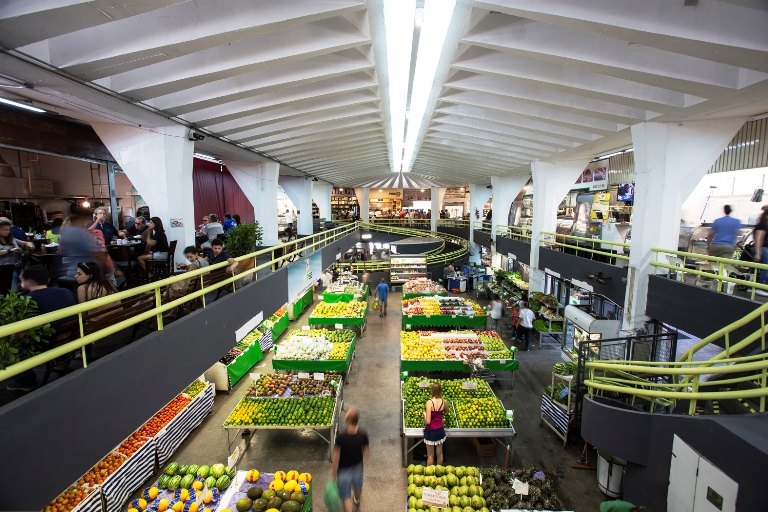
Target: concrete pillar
(670, 160)
(321, 195)
(551, 182)
(258, 181)
(437, 195)
(478, 196)
(299, 190)
(363, 198)
(159, 165)
(505, 191)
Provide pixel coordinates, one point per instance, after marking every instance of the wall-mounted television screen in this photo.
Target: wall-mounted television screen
(626, 192)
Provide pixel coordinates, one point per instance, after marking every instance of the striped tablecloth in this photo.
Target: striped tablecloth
(171, 437)
(92, 503)
(130, 476)
(556, 415)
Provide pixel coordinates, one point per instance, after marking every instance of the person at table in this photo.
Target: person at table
(236, 218)
(100, 223)
(181, 288)
(92, 283)
(205, 222)
(34, 280)
(102, 255)
(212, 230)
(157, 244)
(138, 228)
(229, 223)
(10, 256)
(220, 256)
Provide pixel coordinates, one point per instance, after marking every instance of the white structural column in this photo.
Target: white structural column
(505, 191)
(670, 160)
(159, 165)
(299, 190)
(258, 181)
(437, 194)
(551, 182)
(478, 196)
(321, 195)
(363, 199)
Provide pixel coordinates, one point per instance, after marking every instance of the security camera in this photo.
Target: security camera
(193, 135)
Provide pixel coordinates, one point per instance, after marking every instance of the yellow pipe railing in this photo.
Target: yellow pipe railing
(552, 238)
(514, 231)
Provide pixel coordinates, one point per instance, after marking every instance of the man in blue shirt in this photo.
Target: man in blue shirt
(721, 240)
(229, 223)
(382, 292)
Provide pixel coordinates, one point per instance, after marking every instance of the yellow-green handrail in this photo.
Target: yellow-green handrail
(553, 239)
(516, 231)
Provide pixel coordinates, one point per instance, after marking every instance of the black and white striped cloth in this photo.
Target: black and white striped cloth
(557, 415)
(265, 342)
(173, 434)
(119, 486)
(92, 503)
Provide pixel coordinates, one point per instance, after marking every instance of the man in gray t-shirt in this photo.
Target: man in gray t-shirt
(212, 230)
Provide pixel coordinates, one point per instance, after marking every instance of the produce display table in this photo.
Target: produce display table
(233, 432)
(136, 470)
(413, 437)
(302, 302)
(320, 365)
(173, 434)
(422, 287)
(280, 326)
(358, 322)
(444, 351)
(225, 376)
(497, 365)
(240, 486)
(332, 297)
(437, 311)
(407, 296)
(462, 322)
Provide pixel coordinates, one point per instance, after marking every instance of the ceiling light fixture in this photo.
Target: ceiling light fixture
(21, 105)
(437, 18)
(86, 204)
(208, 158)
(609, 155)
(398, 27)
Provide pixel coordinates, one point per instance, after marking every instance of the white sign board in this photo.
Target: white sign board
(433, 498)
(232, 459)
(249, 326)
(319, 376)
(469, 385)
(303, 375)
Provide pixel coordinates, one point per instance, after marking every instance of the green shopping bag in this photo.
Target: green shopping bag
(331, 496)
(375, 305)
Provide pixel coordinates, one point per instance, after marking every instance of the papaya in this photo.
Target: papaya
(260, 505)
(244, 504)
(269, 494)
(275, 503)
(284, 495)
(255, 492)
(291, 506)
(298, 496)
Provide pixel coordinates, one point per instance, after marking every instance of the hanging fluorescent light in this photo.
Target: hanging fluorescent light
(208, 158)
(437, 19)
(21, 105)
(613, 154)
(398, 25)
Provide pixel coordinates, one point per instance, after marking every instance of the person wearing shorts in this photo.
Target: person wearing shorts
(434, 431)
(382, 292)
(351, 448)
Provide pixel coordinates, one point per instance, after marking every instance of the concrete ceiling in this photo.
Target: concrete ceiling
(305, 82)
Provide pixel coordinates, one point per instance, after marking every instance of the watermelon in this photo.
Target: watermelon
(186, 482)
(232, 472)
(204, 471)
(218, 470)
(223, 482)
(174, 483)
(171, 468)
(210, 482)
(163, 483)
(192, 470)
(183, 469)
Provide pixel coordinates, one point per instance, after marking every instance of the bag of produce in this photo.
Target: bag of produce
(375, 305)
(331, 496)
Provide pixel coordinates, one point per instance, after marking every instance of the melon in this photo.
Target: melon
(223, 482)
(163, 482)
(174, 483)
(255, 492)
(210, 482)
(291, 506)
(192, 470)
(183, 469)
(171, 468)
(218, 470)
(243, 504)
(204, 471)
(260, 505)
(186, 482)
(232, 472)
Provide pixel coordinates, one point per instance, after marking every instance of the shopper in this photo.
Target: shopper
(434, 430)
(34, 280)
(515, 320)
(497, 309)
(761, 251)
(76, 245)
(100, 223)
(722, 237)
(348, 456)
(229, 223)
(101, 255)
(212, 230)
(157, 243)
(526, 324)
(220, 255)
(382, 292)
(365, 280)
(10, 256)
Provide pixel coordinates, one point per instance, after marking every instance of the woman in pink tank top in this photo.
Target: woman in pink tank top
(434, 431)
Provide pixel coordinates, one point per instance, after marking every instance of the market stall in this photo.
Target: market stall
(550, 313)
(472, 410)
(317, 350)
(294, 489)
(345, 292)
(422, 287)
(354, 313)
(297, 402)
(442, 312)
(277, 323)
(173, 434)
(581, 325)
(444, 351)
(300, 304)
(236, 363)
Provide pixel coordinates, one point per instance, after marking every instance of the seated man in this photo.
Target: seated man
(219, 256)
(212, 230)
(35, 280)
(229, 223)
(139, 227)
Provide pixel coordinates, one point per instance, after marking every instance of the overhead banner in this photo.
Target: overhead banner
(594, 177)
(454, 193)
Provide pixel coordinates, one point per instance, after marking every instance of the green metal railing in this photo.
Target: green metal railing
(520, 232)
(311, 243)
(557, 240)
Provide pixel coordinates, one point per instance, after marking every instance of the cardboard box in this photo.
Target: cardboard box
(485, 447)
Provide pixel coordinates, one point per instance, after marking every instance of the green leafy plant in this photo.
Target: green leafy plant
(23, 345)
(244, 238)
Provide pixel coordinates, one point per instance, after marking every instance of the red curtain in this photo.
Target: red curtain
(214, 190)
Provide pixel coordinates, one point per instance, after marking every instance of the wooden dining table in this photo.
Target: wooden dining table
(128, 253)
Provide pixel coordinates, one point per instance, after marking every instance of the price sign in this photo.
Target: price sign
(319, 376)
(407, 327)
(303, 375)
(232, 459)
(469, 385)
(255, 376)
(428, 316)
(410, 316)
(502, 361)
(339, 326)
(520, 487)
(453, 316)
(433, 498)
(424, 384)
(305, 327)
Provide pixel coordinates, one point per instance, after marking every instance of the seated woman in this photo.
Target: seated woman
(181, 288)
(92, 284)
(157, 244)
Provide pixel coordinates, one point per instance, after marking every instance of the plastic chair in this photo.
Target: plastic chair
(677, 262)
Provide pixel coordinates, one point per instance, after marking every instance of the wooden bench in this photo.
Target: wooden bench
(112, 314)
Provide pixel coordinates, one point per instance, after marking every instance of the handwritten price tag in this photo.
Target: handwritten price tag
(303, 375)
(319, 376)
(469, 386)
(305, 327)
(339, 326)
(424, 384)
(255, 376)
(232, 459)
(520, 487)
(434, 498)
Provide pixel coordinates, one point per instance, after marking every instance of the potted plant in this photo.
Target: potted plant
(243, 240)
(17, 347)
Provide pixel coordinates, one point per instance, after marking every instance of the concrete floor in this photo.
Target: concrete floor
(374, 389)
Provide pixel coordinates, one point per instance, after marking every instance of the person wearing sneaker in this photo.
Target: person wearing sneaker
(348, 455)
(526, 324)
(761, 251)
(381, 294)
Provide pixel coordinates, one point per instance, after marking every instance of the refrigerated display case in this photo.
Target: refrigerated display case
(581, 326)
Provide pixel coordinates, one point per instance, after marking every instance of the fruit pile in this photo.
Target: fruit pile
(352, 309)
(270, 385)
(304, 387)
(272, 320)
(543, 326)
(102, 470)
(277, 385)
(291, 412)
(462, 483)
(415, 347)
(544, 310)
(304, 349)
(568, 368)
(252, 337)
(481, 413)
(429, 345)
(132, 444)
(184, 481)
(285, 491)
(498, 491)
(491, 341)
(162, 418)
(422, 285)
(340, 335)
(195, 388)
(442, 306)
(339, 351)
(230, 356)
(547, 299)
(515, 280)
(69, 499)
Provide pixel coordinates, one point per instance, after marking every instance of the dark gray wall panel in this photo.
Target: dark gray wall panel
(460, 232)
(570, 266)
(681, 305)
(482, 238)
(520, 249)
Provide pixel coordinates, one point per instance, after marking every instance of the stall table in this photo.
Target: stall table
(435, 365)
(226, 376)
(458, 321)
(136, 470)
(359, 322)
(280, 326)
(240, 486)
(173, 434)
(331, 297)
(320, 365)
(298, 307)
(407, 296)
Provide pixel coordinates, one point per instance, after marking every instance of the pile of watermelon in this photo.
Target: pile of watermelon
(177, 476)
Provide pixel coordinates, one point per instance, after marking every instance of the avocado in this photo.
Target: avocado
(284, 495)
(260, 505)
(275, 503)
(255, 492)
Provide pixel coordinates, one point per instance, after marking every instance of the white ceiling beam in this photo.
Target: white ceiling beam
(512, 143)
(501, 148)
(333, 145)
(523, 136)
(312, 130)
(319, 139)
